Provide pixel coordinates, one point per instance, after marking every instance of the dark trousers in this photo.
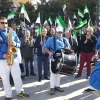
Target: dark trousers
(85, 57)
(27, 60)
(45, 61)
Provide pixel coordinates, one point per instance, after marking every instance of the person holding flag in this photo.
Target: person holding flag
(42, 55)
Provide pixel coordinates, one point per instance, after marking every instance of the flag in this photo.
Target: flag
(89, 23)
(75, 36)
(64, 7)
(11, 15)
(38, 18)
(86, 10)
(23, 10)
(60, 22)
(80, 13)
(74, 20)
(86, 13)
(50, 20)
(81, 24)
(45, 22)
(39, 31)
(69, 24)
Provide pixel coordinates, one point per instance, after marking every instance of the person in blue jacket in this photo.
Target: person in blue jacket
(50, 49)
(97, 48)
(95, 75)
(5, 69)
(94, 80)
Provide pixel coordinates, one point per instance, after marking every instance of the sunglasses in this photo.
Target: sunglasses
(3, 22)
(59, 32)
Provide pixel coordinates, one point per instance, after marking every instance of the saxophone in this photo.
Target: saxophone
(11, 50)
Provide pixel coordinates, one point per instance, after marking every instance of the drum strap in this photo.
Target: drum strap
(55, 42)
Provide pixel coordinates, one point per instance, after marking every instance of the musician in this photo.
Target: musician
(88, 43)
(49, 48)
(27, 44)
(5, 69)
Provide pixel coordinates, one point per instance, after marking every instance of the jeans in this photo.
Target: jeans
(27, 60)
(45, 60)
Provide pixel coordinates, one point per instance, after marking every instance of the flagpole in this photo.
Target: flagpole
(24, 25)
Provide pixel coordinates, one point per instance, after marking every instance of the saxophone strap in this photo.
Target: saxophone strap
(1, 43)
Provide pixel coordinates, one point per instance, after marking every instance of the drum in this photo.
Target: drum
(63, 63)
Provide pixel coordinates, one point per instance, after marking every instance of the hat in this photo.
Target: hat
(59, 29)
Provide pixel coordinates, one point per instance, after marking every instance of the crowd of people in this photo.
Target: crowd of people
(86, 47)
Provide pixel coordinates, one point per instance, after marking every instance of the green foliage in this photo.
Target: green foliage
(30, 10)
(73, 5)
(5, 7)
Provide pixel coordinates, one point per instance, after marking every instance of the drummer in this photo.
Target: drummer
(50, 48)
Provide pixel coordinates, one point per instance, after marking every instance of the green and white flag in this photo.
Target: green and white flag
(75, 36)
(45, 22)
(11, 15)
(60, 22)
(39, 31)
(80, 13)
(69, 24)
(89, 23)
(50, 20)
(23, 11)
(86, 10)
(64, 7)
(38, 18)
(81, 24)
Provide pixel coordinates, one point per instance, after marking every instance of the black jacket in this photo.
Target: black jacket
(39, 47)
(90, 45)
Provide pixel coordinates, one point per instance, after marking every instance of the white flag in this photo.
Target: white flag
(23, 10)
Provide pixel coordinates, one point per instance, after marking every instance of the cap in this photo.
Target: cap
(59, 29)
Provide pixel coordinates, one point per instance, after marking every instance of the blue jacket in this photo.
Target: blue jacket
(60, 44)
(94, 80)
(4, 42)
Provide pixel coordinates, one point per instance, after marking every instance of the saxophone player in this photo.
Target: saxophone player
(5, 69)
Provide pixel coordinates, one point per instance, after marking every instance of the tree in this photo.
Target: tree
(50, 9)
(5, 7)
(30, 10)
(73, 5)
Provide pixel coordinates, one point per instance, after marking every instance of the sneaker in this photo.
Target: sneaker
(23, 95)
(8, 98)
(40, 80)
(51, 91)
(77, 76)
(87, 77)
(47, 78)
(89, 90)
(59, 89)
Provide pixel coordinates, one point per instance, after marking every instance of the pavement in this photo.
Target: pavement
(73, 88)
